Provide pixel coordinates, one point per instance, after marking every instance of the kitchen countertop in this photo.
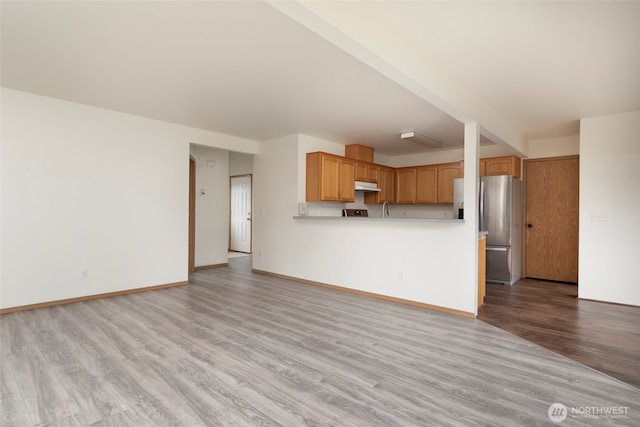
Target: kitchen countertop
(481, 234)
(374, 219)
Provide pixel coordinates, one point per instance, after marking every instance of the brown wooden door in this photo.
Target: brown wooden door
(192, 215)
(551, 219)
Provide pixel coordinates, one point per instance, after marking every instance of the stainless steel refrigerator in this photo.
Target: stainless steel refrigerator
(500, 202)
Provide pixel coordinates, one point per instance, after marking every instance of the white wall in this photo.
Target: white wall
(212, 207)
(358, 255)
(87, 188)
(275, 185)
(444, 156)
(609, 184)
(240, 164)
(554, 147)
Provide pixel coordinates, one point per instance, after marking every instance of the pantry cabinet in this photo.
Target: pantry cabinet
(330, 178)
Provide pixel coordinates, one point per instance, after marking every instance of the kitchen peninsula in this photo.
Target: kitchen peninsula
(334, 182)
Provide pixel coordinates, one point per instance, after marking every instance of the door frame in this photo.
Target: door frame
(524, 203)
(250, 175)
(192, 215)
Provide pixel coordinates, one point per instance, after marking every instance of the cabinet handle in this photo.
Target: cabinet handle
(529, 225)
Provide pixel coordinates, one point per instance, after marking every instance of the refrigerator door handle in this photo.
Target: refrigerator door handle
(502, 249)
(481, 206)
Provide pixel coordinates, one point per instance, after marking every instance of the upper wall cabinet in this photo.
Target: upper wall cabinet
(368, 171)
(330, 178)
(447, 172)
(507, 165)
(427, 184)
(386, 183)
(359, 152)
(406, 185)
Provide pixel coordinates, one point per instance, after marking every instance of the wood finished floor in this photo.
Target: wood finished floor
(603, 336)
(235, 348)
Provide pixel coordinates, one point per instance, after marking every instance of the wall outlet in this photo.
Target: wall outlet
(84, 274)
(599, 216)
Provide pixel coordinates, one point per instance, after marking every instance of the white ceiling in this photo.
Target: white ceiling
(245, 69)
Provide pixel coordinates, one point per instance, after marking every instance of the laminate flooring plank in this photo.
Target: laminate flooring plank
(600, 335)
(237, 348)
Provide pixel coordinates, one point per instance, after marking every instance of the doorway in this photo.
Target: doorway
(240, 217)
(192, 214)
(551, 191)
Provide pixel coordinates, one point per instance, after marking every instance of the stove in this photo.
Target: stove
(355, 212)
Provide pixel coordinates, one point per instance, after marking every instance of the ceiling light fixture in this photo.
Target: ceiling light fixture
(418, 138)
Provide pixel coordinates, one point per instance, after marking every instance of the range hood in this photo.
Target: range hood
(366, 186)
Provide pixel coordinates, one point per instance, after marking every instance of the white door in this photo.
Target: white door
(240, 214)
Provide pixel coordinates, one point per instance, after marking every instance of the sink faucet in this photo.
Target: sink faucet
(385, 209)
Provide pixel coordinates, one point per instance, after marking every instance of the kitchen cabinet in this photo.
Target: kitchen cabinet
(359, 152)
(330, 178)
(374, 172)
(447, 172)
(482, 267)
(417, 184)
(427, 184)
(389, 185)
(507, 165)
(362, 168)
(406, 185)
(368, 172)
(386, 183)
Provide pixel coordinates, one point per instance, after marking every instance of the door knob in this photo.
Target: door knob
(529, 225)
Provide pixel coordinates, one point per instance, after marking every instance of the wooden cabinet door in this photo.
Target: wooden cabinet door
(390, 185)
(482, 269)
(329, 178)
(373, 173)
(427, 184)
(386, 183)
(361, 171)
(508, 165)
(346, 191)
(406, 185)
(447, 172)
